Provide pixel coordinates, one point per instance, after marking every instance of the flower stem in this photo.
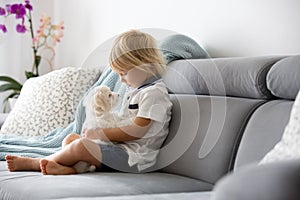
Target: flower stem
(34, 48)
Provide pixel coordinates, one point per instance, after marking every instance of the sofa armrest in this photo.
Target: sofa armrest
(274, 181)
(3, 117)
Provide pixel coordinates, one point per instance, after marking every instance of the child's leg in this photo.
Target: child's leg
(19, 163)
(79, 150)
(69, 138)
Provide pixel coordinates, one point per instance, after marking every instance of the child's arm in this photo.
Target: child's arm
(122, 134)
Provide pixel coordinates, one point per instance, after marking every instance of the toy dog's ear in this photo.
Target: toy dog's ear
(102, 88)
(100, 103)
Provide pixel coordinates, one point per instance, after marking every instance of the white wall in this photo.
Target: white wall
(224, 28)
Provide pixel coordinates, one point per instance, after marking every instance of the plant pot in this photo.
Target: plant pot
(12, 102)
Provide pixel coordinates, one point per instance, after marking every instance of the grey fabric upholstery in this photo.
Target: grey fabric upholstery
(35, 186)
(209, 137)
(263, 131)
(165, 196)
(225, 116)
(283, 79)
(276, 181)
(239, 77)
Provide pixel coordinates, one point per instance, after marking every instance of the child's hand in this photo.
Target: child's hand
(96, 133)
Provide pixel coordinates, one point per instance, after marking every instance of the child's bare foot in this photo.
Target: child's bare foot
(49, 167)
(18, 163)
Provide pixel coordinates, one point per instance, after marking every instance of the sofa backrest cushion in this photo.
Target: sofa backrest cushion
(203, 133)
(263, 132)
(283, 79)
(238, 77)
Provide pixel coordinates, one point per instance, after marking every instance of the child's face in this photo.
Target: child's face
(133, 77)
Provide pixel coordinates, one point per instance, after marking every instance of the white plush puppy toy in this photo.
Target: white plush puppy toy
(99, 104)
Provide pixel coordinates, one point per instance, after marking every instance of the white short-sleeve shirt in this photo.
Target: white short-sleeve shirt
(151, 102)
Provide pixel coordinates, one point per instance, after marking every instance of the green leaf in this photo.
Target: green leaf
(12, 95)
(30, 75)
(10, 86)
(9, 80)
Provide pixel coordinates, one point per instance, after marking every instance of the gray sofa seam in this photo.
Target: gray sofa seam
(239, 135)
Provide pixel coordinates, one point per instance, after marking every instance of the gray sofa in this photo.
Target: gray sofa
(227, 114)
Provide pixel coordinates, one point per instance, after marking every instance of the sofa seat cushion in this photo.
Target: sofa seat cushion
(164, 196)
(33, 185)
(272, 181)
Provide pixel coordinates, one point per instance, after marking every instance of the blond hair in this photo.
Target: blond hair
(137, 49)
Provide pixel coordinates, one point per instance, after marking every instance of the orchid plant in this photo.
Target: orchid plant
(45, 38)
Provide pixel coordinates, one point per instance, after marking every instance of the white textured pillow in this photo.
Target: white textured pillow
(49, 101)
(289, 146)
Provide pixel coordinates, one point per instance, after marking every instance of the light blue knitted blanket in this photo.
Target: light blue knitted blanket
(173, 47)
(178, 46)
(50, 143)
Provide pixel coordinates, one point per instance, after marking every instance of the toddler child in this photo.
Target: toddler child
(133, 148)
